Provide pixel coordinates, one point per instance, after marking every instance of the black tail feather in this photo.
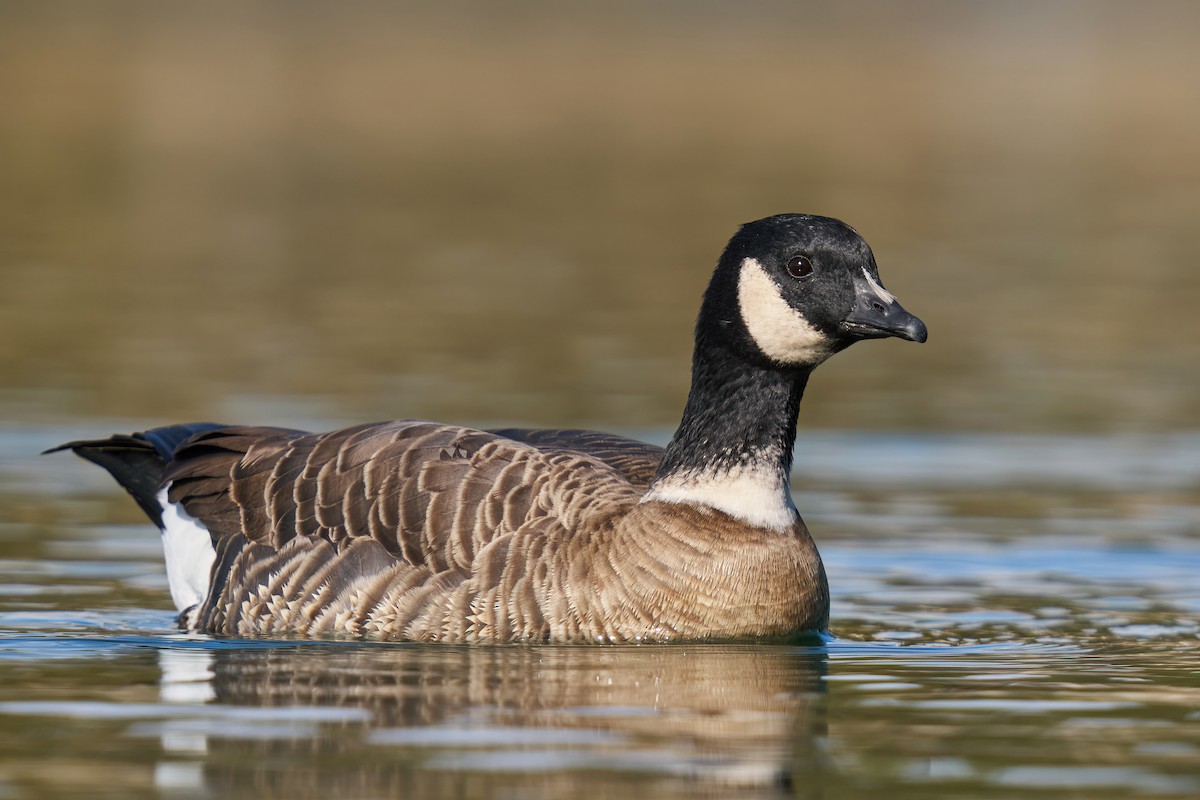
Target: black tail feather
(138, 461)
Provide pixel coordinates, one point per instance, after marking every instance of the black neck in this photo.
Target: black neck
(738, 414)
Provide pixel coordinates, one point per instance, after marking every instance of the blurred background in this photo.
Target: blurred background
(481, 214)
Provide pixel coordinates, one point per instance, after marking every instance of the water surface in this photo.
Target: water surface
(1000, 631)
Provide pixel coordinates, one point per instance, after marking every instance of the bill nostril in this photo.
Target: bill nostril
(878, 306)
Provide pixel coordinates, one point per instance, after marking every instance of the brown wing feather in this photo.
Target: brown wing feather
(399, 529)
(637, 461)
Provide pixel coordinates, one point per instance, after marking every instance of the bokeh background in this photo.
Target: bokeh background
(507, 213)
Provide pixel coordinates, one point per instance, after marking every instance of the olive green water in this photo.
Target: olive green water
(310, 215)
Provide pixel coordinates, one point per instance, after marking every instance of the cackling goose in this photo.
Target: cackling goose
(422, 531)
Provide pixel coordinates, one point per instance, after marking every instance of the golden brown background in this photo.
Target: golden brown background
(486, 213)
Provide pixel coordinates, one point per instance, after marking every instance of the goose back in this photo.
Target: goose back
(637, 461)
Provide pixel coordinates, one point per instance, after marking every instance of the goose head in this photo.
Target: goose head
(793, 289)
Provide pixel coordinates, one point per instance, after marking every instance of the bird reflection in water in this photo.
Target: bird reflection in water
(334, 720)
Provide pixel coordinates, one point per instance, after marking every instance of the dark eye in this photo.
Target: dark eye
(799, 267)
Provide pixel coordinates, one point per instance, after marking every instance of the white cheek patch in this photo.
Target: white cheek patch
(779, 330)
(880, 292)
(754, 494)
(188, 549)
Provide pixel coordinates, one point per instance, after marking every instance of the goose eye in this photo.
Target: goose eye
(799, 267)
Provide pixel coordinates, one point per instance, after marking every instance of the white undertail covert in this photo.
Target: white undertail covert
(189, 553)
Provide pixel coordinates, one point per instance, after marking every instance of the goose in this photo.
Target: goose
(421, 531)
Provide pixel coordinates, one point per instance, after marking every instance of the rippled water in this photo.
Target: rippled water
(1013, 617)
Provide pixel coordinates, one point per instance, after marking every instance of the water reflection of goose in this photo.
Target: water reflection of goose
(587, 720)
(415, 530)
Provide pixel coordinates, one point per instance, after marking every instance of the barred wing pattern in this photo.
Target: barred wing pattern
(410, 530)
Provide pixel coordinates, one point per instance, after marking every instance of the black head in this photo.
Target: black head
(794, 289)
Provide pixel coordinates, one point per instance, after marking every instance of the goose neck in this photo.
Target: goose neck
(733, 448)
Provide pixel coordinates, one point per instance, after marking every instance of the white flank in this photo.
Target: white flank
(880, 292)
(756, 495)
(779, 330)
(189, 553)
